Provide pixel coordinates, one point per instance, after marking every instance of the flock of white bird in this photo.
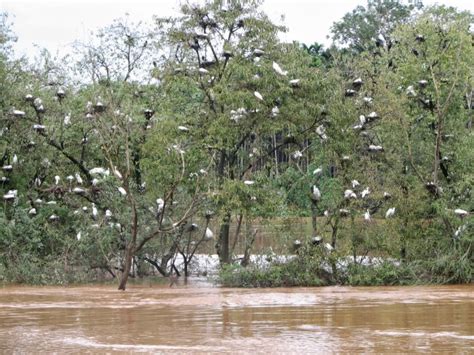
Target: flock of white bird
(236, 115)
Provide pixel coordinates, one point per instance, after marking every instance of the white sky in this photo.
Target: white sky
(55, 24)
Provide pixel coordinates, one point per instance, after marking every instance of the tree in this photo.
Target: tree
(236, 87)
(366, 28)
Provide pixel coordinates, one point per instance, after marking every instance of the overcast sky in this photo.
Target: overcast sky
(55, 24)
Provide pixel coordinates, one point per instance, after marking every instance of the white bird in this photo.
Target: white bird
(367, 216)
(78, 190)
(67, 119)
(51, 203)
(365, 192)
(209, 234)
(368, 100)
(258, 95)
(411, 91)
(295, 82)
(32, 211)
(321, 131)
(328, 247)
(98, 171)
(203, 71)
(9, 196)
(122, 191)
(349, 194)
(78, 178)
(315, 193)
(358, 81)
(39, 127)
(249, 182)
(373, 115)
(70, 178)
(57, 179)
(460, 230)
(344, 211)
(183, 128)
(386, 195)
(278, 69)
(53, 217)
(95, 182)
(318, 171)
(275, 111)
(117, 173)
(108, 214)
(15, 159)
(355, 183)
(362, 120)
(79, 235)
(461, 213)
(7, 168)
(160, 203)
(375, 148)
(390, 212)
(18, 113)
(95, 213)
(297, 154)
(326, 213)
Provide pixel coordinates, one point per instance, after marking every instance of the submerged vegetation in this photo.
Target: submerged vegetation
(154, 144)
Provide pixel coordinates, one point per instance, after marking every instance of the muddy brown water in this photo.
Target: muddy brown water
(202, 318)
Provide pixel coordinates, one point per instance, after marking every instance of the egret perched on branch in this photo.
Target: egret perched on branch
(122, 191)
(160, 203)
(95, 213)
(318, 171)
(375, 148)
(78, 178)
(390, 212)
(367, 216)
(297, 154)
(295, 82)
(278, 69)
(78, 190)
(249, 182)
(18, 113)
(258, 95)
(461, 213)
(355, 183)
(365, 192)
(348, 194)
(56, 180)
(117, 173)
(315, 193)
(209, 234)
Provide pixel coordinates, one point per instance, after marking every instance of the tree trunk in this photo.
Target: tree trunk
(314, 215)
(222, 245)
(127, 267)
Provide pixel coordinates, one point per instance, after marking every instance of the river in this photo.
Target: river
(198, 317)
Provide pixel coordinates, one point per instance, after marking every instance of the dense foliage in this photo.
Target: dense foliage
(150, 143)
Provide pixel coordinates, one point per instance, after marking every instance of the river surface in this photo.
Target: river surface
(202, 318)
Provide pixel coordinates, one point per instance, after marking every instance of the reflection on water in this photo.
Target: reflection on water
(200, 318)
